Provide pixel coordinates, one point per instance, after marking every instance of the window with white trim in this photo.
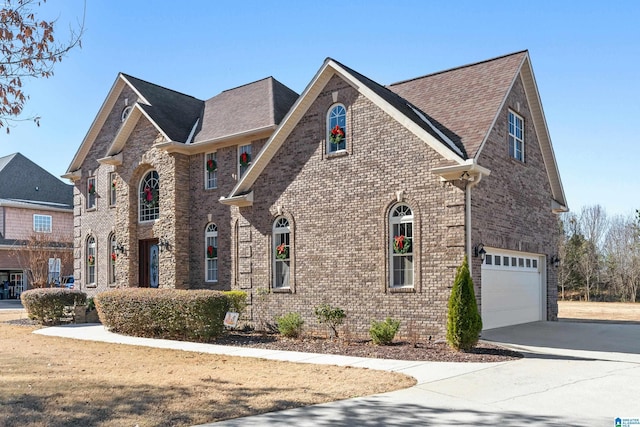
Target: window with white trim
(113, 256)
(91, 260)
(516, 136)
(336, 128)
(281, 253)
(42, 223)
(401, 246)
(211, 170)
(211, 252)
(125, 113)
(91, 192)
(113, 182)
(244, 159)
(149, 197)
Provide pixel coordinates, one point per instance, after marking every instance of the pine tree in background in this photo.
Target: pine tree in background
(463, 320)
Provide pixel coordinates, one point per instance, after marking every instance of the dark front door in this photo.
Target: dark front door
(149, 263)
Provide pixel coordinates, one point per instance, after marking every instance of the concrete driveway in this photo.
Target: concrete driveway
(574, 374)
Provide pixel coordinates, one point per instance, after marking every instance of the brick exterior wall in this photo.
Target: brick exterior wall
(19, 223)
(338, 209)
(511, 208)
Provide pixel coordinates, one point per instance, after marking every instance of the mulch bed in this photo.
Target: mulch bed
(403, 350)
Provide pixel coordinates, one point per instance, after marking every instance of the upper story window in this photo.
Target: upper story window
(149, 197)
(113, 182)
(336, 128)
(91, 192)
(126, 112)
(244, 159)
(211, 252)
(401, 246)
(211, 171)
(281, 253)
(42, 223)
(516, 136)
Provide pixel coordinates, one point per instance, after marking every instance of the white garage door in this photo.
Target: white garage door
(512, 290)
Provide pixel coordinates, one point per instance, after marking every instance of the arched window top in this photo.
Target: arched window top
(401, 211)
(125, 112)
(91, 240)
(211, 228)
(336, 128)
(281, 224)
(149, 196)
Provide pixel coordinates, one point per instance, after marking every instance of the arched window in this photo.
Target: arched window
(336, 128)
(401, 246)
(91, 260)
(211, 252)
(112, 259)
(149, 197)
(125, 113)
(281, 253)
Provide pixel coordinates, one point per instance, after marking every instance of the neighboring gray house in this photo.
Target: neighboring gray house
(33, 203)
(355, 194)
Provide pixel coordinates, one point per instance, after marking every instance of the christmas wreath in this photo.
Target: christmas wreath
(282, 251)
(113, 257)
(92, 189)
(91, 260)
(245, 159)
(401, 244)
(113, 184)
(336, 135)
(211, 165)
(212, 252)
(150, 197)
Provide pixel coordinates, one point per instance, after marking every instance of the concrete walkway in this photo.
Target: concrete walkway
(573, 375)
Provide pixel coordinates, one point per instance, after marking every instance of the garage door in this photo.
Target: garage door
(512, 291)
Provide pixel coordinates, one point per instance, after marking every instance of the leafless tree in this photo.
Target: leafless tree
(33, 256)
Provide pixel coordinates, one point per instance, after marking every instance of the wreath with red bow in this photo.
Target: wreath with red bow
(336, 135)
(211, 165)
(212, 252)
(245, 159)
(401, 244)
(282, 251)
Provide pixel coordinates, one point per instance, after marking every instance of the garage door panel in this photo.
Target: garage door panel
(511, 295)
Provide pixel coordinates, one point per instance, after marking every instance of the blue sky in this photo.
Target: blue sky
(585, 57)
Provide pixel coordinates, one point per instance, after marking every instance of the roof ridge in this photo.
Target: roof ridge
(246, 84)
(458, 68)
(129, 76)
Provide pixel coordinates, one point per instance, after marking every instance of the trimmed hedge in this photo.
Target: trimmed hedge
(49, 305)
(237, 301)
(191, 315)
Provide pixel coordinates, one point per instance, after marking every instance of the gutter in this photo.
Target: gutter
(242, 200)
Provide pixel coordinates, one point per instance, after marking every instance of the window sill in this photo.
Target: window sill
(339, 153)
(402, 290)
(281, 290)
(91, 209)
(210, 188)
(92, 285)
(112, 206)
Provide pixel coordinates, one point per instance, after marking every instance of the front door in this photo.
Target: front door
(149, 263)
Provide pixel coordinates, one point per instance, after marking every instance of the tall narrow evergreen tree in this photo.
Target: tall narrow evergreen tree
(464, 322)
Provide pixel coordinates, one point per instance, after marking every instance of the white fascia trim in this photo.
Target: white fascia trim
(242, 200)
(72, 176)
(472, 170)
(204, 146)
(193, 131)
(436, 130)
(115, 160)
(398, 116)
(133, 88)
(153, 123)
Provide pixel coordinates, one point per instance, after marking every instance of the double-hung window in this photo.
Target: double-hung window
(401, 246)
(516, 136)
(91, 192)
(211, 252)
(211, 171)
(244, 159)
(336, 129)
(42, 223)
(281, 253)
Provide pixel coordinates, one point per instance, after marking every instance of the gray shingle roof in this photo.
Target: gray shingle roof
(465, 99)
(23, 180)
(174, 112)
(252, 106)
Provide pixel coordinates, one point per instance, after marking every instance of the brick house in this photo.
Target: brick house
(355, 194)
(36, 225)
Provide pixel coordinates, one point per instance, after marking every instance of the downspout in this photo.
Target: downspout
(467, 190)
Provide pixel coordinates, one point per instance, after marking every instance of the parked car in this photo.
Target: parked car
(68, 282)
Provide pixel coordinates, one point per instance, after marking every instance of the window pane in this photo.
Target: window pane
(282, 274)
(488, 260)
(149, 197)
(497, 260)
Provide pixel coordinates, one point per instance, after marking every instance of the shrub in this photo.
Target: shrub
(330, 316)
(237, 301)
(192, 315)
(464, 322)
(384, 332)
(49, 305)
(290, 325)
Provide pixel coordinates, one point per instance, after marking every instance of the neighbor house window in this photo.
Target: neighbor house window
(211, 252)
(91, 192)
(42, 223)
(91, 260)
(401, 246)
(211, 170)
(244, 159)
(149, 197)
(281, 253)
(113, 255)
(113, 182)
(336, 128)
(516, 136)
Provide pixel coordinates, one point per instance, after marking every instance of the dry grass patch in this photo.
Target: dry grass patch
(56, 382)
(613, 311)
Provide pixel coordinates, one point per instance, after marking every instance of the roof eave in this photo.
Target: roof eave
(73, 175)
(240, 201)
(470, 171)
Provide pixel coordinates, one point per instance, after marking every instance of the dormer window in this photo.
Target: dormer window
(336, 129)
